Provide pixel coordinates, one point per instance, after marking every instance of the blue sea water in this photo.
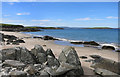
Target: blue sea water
(98, 35)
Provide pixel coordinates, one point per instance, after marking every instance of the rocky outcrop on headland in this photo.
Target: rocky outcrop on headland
(20, 62)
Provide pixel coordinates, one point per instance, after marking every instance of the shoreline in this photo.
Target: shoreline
(68, 42)
(81, 51)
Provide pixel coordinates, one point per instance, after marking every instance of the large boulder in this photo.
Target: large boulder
(37, 49)
(9, 53)
(24, 55)
(18, 53)
(69, 55)
(106, 64)
(41, 58)
(13, 63)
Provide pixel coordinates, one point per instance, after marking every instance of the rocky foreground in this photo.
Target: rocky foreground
(20, 62)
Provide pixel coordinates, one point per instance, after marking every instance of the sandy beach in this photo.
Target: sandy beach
(82, 51)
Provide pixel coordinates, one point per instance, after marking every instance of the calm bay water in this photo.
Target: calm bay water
(98, 35)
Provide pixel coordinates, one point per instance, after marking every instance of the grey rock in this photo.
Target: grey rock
(104, 72)
(107, 64)
(13, 63)
(49, 52)
(42, 58)
(69, 55)
(17, 53)
(8, 54)
(0, 55)
(23, 55)
(30, 70)
(83, 57)
(63, 68)
(51, 61)
(43, 73)
(37, 49)
(18, 74)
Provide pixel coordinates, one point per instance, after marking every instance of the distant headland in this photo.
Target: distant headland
(21, 28)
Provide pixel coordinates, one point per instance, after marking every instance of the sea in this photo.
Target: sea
(109, 36)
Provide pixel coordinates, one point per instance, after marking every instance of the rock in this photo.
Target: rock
(20, 41)
(108, 47)
(52, 62)
(37, 49)
(43, 73)
(50, 53)
(17, 53)
(24, 55)
(0, 56)
(8, 54)
(107, 64)
(10, 37)
(15, 43)
(104, 72)
(63, 68)
(76, 42)
(49, 38)
(37, 37)
(30, 70)
(91, 43)
(69, 55)
(42, 58)
(83, 57)
(38, 66)
(13, 63)
(95, 56)
(18, 74)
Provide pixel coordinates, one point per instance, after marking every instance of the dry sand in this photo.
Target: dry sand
(82, 51)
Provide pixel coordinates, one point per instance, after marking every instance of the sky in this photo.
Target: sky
(61, 14)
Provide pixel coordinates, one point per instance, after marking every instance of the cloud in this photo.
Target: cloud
(83, 19)
(41, 20)
(86, 19)
(11, 3)
(111, 17)
(25, 13)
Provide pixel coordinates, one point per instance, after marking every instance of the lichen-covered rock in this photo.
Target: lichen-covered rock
(18, 74)
(8, 54)
(13, 63)
(51, 61)
(42, 58)
(63, 68)
(23, 55)
(17, 53)
(104, 63)
(50, 53)
(37, 49)
(69, 55)
(30, 70)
